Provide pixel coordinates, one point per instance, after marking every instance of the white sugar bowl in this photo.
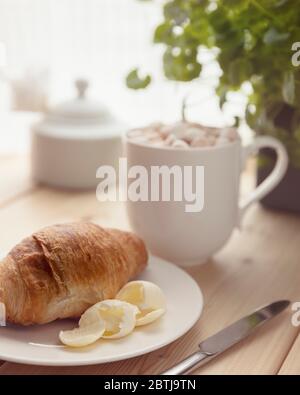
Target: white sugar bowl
(73, 140)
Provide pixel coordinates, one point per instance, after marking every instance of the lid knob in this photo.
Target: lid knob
(81, 86)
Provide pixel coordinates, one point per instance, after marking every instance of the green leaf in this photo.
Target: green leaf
(164, 33)
(133, 81)
(288, 88)
(182, 66)
(176, 11)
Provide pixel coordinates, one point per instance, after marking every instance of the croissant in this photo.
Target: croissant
(62, 270)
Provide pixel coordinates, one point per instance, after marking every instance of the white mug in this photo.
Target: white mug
(189, 238)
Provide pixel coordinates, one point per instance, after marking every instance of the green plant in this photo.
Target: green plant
(253, 41)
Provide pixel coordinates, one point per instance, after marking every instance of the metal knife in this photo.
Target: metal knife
(221, 341)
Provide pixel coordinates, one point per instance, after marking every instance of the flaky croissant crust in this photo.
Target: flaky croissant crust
(61, 270)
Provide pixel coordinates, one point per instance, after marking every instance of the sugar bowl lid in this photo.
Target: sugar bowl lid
(80, 118)
(81, 108)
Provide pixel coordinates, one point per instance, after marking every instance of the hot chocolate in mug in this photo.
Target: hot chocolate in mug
(186, 237)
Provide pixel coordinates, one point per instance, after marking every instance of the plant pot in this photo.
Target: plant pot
(286, 196)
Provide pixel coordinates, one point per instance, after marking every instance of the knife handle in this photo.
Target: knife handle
(188, 364)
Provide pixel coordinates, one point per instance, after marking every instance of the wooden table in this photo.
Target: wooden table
(259, 264)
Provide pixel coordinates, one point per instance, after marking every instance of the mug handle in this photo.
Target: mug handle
(273, 179)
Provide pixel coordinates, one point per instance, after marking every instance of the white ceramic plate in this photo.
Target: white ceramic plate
(39, 345)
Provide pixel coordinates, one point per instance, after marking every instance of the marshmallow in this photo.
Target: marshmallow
(170, 139)
(165, 131)
(211, 140)
(199, 142)
(183, 135)
(213, 131)
(193, 133)
(180, 144)
(179, 129)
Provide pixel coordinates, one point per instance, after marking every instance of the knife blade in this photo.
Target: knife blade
(226, 338)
